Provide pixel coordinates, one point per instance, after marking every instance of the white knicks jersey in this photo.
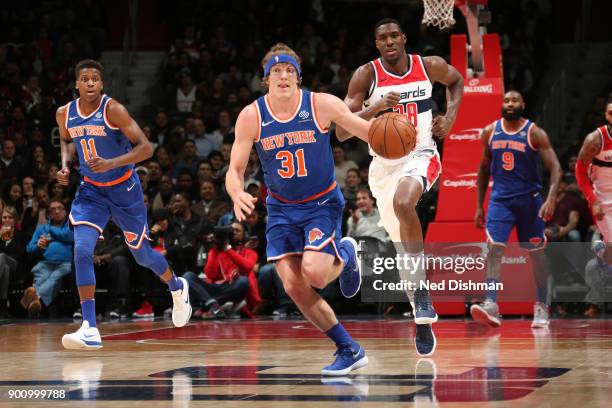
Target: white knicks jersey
(601, 168)
(415, 91)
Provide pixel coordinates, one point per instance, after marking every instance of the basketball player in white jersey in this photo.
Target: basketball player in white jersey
(403, 83)
(594, 176)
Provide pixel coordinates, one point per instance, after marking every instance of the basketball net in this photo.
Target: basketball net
(439, 13)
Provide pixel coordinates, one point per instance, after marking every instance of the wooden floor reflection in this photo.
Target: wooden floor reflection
(266, 363)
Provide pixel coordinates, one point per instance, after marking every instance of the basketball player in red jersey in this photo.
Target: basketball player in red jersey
(594, 176)
(403, 83)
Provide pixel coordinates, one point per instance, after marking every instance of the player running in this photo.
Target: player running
(512, 146)
(289, 128)
(102, 132)
(403, 83)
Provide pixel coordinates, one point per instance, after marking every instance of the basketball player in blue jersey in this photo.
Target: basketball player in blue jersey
(102, 133)
(289, 128)
(403, 83)
(513, 146)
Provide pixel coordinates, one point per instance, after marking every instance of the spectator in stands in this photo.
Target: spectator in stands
(219, 166)
(164, 194)
(189, 159)
(205, 143)
(598, 275)
(12, 253)
(342, 165)
(186, 225)
(226, 272)
(210, 207)
(58, 192)
(54, 242)
(185, 93)
(185, 184)
(13, 197)
(225, 132)
(12, 166)
(571, 218)
(165, 163)
(363, 222)
(36, 213)
(351, 186)
(161, 128)
(143, 176)
(205, 172)
(155, 176)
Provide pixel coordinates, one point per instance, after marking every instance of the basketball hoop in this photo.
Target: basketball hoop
(439, 13)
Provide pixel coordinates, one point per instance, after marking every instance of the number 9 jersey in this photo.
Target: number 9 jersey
(93, 136)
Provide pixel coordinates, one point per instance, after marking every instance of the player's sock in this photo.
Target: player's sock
(339, 335)
(491, 293)
(147, 257)
(88, 307)
(174, 283)
(542, 294)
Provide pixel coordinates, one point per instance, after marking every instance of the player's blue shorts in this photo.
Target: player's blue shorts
(124, 202)
(520, 211)
(312, 226)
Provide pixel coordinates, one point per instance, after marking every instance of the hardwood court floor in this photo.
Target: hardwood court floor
(266, 363)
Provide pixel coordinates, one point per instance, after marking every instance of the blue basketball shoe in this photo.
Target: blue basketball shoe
(350, 277)
(347, 360)
(424, 312)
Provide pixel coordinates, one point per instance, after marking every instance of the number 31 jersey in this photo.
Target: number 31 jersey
(415, 91)
(295, 154)
(93, 136)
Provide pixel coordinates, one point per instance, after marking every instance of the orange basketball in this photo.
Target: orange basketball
(392, 135)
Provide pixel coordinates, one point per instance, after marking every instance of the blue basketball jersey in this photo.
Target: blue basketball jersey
(94, 136)
(515, 164)
(295, 154)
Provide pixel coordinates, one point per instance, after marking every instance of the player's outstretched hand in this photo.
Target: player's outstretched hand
(63, 176)
(479, 218)
(244, 204)
(598, 211)
(547, 210)
(440, 126)
(389, 100)
(99, 165)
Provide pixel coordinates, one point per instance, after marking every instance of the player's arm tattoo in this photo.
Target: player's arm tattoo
(67, 147)
(484, 172)
(357, 92)
(540, 141)
(590, 147)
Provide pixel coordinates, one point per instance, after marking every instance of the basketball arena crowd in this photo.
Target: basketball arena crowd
(211, 70)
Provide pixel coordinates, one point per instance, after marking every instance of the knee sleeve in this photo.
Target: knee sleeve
(147, 257)
(85, 238)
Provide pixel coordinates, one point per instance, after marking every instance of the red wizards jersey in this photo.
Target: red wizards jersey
(601, 167)
(415, 91)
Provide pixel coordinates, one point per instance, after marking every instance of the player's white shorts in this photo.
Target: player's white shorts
(422, 164)
(605, 224)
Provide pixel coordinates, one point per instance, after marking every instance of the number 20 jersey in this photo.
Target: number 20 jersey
(94, 136)
(295, 154)
(415, 91)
